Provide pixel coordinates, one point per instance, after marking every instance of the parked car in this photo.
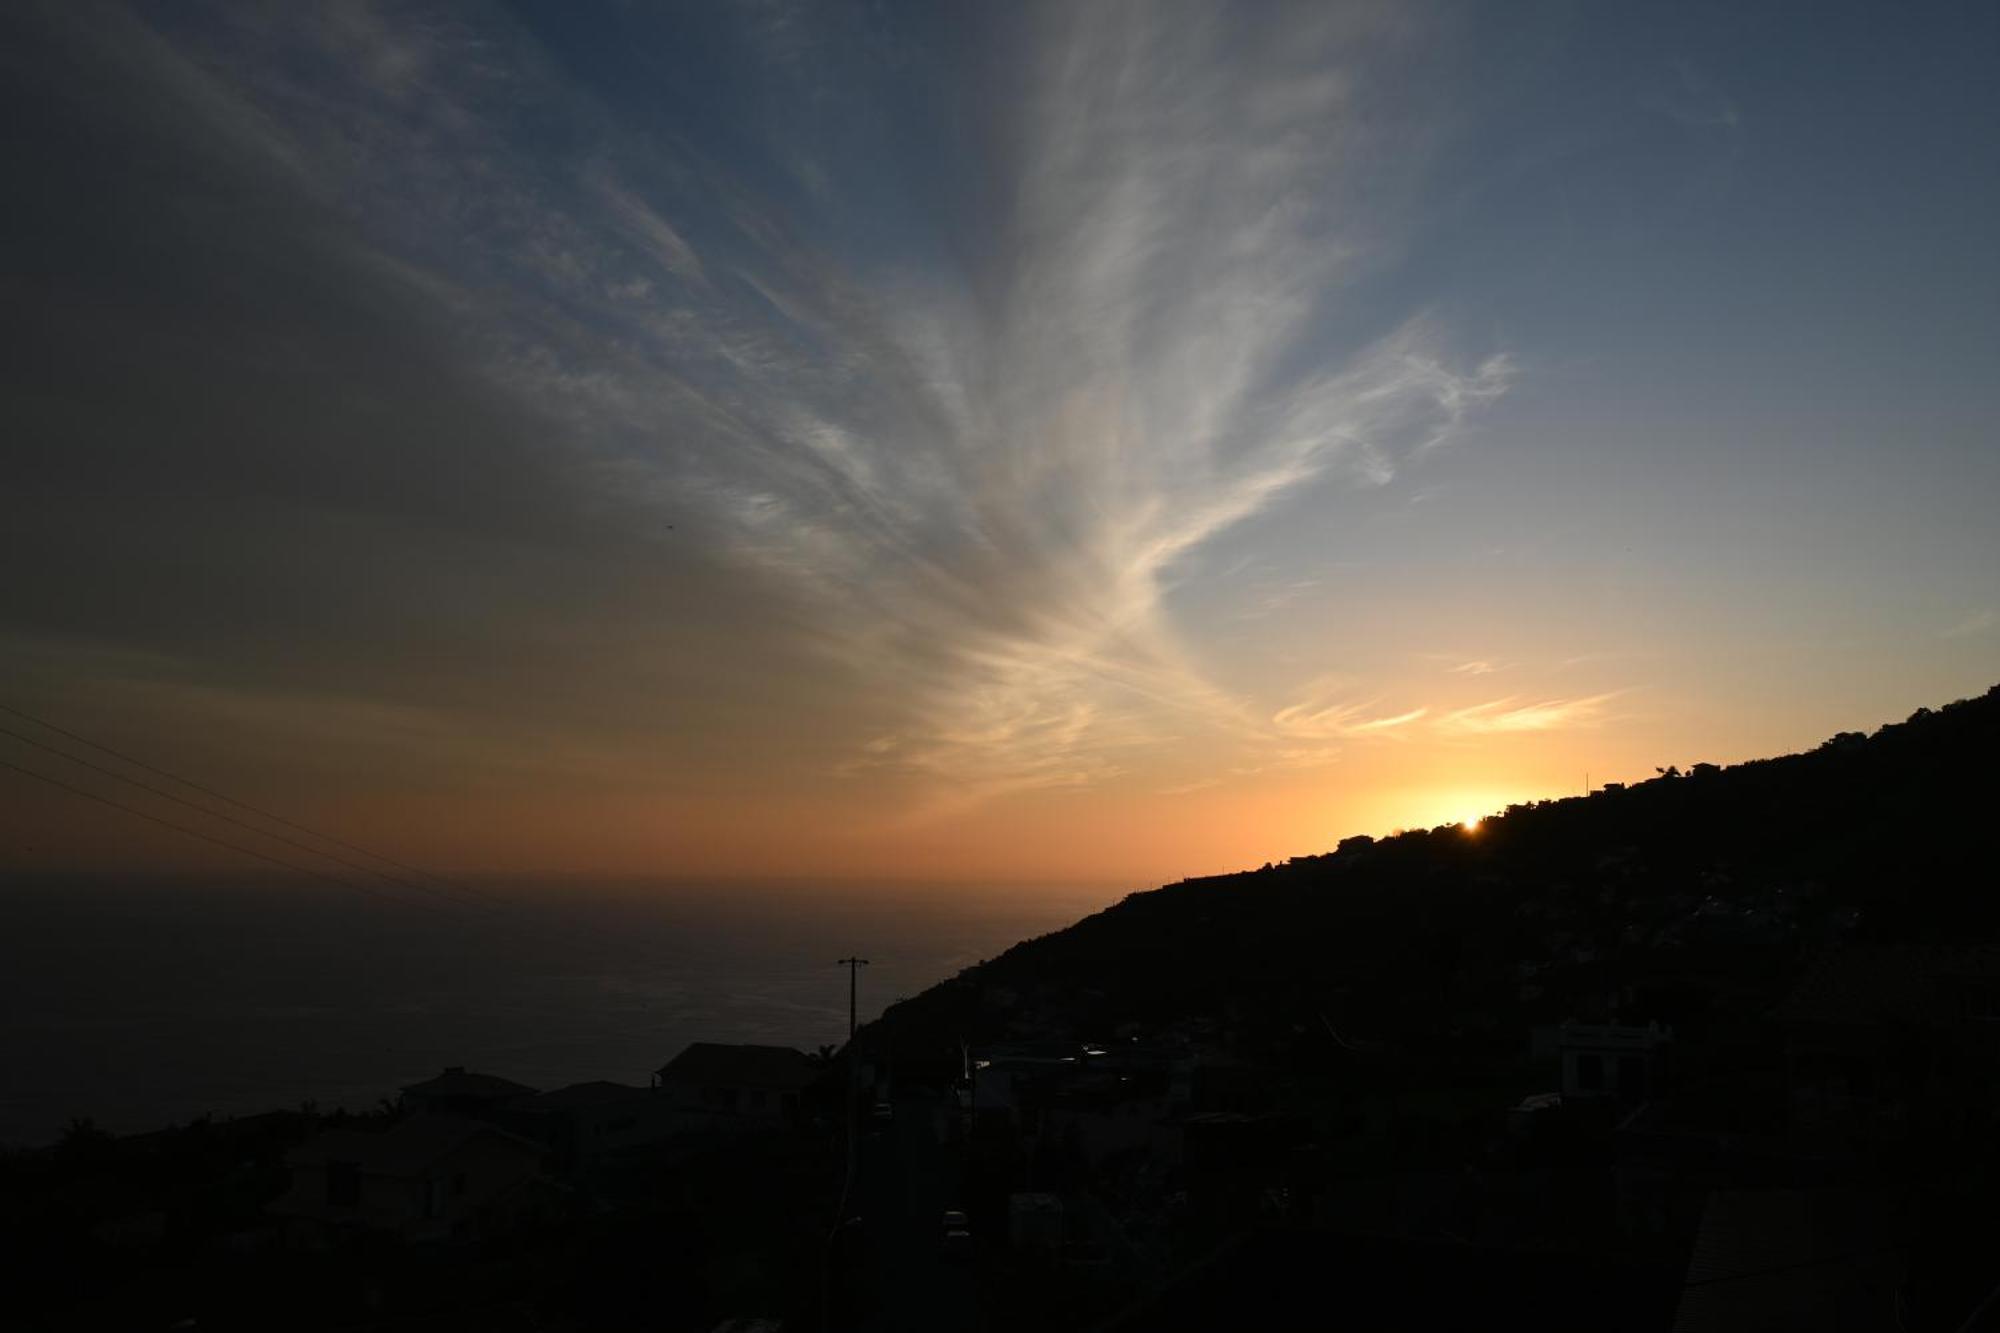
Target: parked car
(956, 1242)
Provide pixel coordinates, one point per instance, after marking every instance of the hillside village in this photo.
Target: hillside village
(1673, 1056)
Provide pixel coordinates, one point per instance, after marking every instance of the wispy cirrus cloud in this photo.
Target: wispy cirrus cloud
(1975, 623)
(1130, 393)
(1499, 716)
(1329, 719)
(965, 471)
(1688, 96)
(1332, 711)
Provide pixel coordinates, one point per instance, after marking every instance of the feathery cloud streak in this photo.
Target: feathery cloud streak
(1133, 388)
(1511, 715)
(968, 482)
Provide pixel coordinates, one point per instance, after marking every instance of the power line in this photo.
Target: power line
(205, 837)
(559, 935)
(242, 823)
(227, 799)
(495, 906)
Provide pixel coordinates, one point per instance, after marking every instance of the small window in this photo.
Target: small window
(1590, 1072)
(343, 1184)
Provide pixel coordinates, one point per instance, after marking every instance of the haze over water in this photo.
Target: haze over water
(145, 1001)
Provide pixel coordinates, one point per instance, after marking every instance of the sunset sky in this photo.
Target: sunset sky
(1083, 441)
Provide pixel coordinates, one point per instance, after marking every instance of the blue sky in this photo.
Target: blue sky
(977, 437)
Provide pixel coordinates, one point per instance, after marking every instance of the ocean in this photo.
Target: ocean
(142, 1002)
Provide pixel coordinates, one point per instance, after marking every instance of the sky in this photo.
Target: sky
(1067, 442)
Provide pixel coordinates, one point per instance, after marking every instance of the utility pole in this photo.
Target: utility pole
(841, 1219)
(853, 966)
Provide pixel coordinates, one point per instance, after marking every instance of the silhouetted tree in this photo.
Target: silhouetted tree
(83, 1143)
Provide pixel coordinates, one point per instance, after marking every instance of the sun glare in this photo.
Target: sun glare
(1464, 808)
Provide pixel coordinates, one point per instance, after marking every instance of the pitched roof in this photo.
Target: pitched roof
(456, 1082)
(405, 1148)
(598, 1092)
(714, 1065)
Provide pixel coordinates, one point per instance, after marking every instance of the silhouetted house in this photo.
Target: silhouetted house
(457, 1092)
(586, 1121)
(1013, 1082)
(1874, 1035)
(1097, 1100)
(1035, 1222)
(1237, 1162)
(430, 1177)
(1607, 1060)
(1105, 1112)
(755, 1081)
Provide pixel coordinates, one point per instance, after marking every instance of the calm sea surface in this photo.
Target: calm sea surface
(141, 1003)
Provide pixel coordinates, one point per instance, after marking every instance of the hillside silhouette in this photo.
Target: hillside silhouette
(1674, 1054)
(1542, 912)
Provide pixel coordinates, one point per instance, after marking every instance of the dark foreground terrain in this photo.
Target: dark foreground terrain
(1717, 1050)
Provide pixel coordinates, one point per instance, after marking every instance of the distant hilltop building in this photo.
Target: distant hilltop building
(756, 1081)
(459, 1092)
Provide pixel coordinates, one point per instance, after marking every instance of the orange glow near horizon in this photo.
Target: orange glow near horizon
(1133, 829)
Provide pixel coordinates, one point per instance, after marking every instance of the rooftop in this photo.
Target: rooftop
(714, 1065)
(405, 1149)
(598, 1092)
(455, 1081)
